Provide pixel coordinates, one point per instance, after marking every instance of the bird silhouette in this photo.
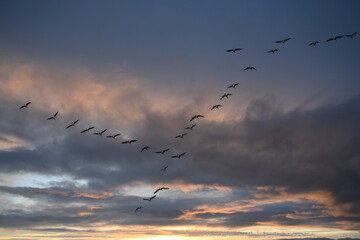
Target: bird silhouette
(249, 68)
(26, 105)
(164, 169)
(138, 208)
(273, 50)
(196, 117)
(234, 50)
(335, 38)
(114, 136)
(73, 124)
(181, 135)
(225, 95)
(149, 199)
(163, 151)
(190, 128)
(283, 41)
(160, 189)
(53, 117)
(144, 148)
(313, 43)
(351, 35)
(129, 142)
(233, 86)
(178, 156)
(100, 133)
(87, 130)
(216, 106)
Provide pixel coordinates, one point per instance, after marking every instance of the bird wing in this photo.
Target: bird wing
(152, 197)
(56, 114)
(83, 131)
(280, 41)
(287, 39)
(157, 190)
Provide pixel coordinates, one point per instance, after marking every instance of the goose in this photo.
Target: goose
(216, 106)
(138, 208)
(233, 50)
(114, 136)
(313, 43)
(196, 116)
(26, 105)
(144, 148)
(100, 133)
(149, 199)
(273, 50)
(164, 169)
(225, 95)
(179, 156)
(73, 124)
(160, 189)
(87, 130)
(53, 117)
(163, 151)
(191, 128)
(249, 68)
(283, 41)
(181, 136)
(233, 86)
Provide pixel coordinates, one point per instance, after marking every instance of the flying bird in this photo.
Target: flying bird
(273, 50)
(87, 130)
(283, 41)
(73, 124)
(149, 199)
(53, 117)
(249, 68)
(335, 38)
(129, 142)
(196, 116)
(216, 106)
(233, 86)
(138, 208)
(26, 105)
(351, 35)
(191, 128)
(164, 169)
(181, 136)
(225, 95)
(313, 43)
(233, 49)
(144, 148)
(114, 136)
(160, 189)
(100, 133)
(179, 156)
(163, 151)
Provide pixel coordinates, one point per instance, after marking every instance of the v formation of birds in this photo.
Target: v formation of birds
(195, 117)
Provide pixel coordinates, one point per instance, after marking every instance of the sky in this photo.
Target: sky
(279, 159)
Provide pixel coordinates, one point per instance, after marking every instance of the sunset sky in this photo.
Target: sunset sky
(279, 160)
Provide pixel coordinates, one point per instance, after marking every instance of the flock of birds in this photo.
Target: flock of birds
(195, 117)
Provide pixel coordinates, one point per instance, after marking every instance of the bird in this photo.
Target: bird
(233, 86)
(191, 128)
(26, 105)
(216, 106)
(149, 199)
(196, 116)
(129, 141)
(164, 169)
(113, 136)
(283, 41)
(138, 208)
(313, 43)
(233, 49)
(53, 117)
(145, 148)
(73, 124)
(335, 38)
(273, 50)
(100, 133)
(160, 189)
(87, 130)
(181, 136)
(351, 35)
(226, 95)
(249, 68)
(178, 156)
(163, 151)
